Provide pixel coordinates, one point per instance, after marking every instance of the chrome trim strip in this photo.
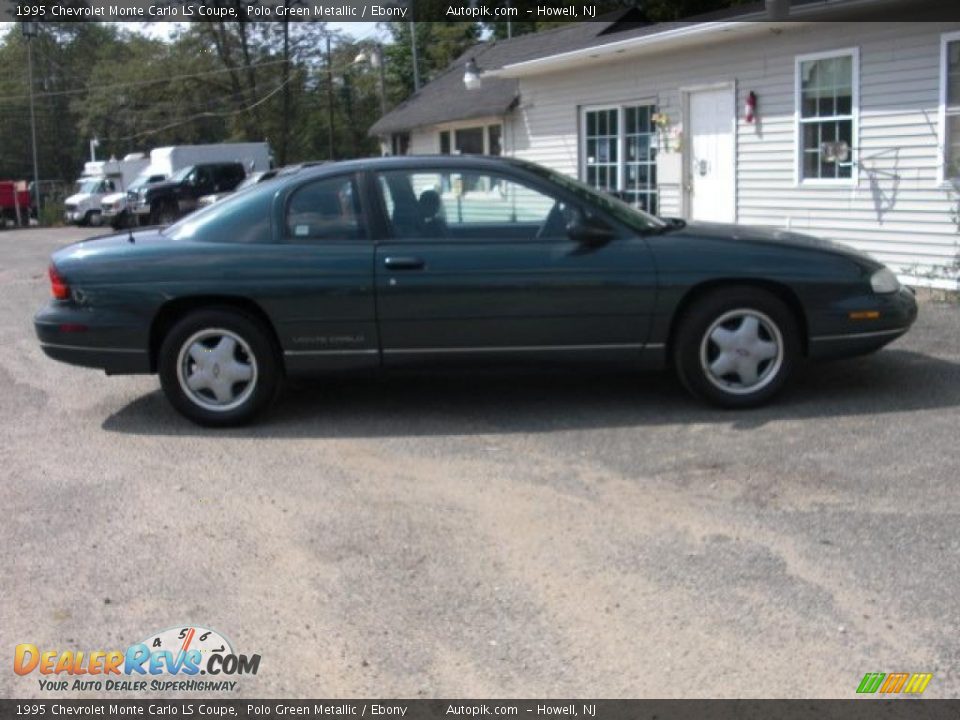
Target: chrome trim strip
(520, 348)
(91, 349)
(855, 336)
(331, 352)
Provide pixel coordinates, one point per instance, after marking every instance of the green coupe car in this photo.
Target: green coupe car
(394, 261)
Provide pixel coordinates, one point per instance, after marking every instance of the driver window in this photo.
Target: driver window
(467, 205)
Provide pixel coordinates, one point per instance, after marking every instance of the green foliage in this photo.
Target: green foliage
(51, 215)
(227, 81)
(438, 44)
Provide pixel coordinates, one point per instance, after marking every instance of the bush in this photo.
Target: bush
(51, 214)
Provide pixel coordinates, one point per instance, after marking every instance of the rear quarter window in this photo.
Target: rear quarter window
(241, 218)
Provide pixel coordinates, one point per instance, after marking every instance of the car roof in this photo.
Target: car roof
(402, 162)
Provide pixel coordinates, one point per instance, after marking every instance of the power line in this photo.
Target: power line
(140, 83)
(198, 116)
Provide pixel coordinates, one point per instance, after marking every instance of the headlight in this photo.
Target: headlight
(884, 281)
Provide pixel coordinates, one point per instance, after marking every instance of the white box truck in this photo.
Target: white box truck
(101, 178)
(193, 171)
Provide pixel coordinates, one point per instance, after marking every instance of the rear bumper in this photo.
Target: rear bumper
(106, 341)
(898, 311)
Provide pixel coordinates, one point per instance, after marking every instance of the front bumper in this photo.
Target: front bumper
(896, 314)
(73, 216)
(109, 341)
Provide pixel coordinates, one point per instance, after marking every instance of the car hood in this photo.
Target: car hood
(113, 197)
(768, 236)
(78, 198)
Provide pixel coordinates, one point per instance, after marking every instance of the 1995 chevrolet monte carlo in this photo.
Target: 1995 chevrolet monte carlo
(388, 261)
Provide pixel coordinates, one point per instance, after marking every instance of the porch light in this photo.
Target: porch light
(471, 75)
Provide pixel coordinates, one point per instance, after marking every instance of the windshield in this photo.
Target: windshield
(141, 180)
(89, 186)
(627, 214)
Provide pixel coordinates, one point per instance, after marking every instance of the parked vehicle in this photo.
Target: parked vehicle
(181, 193)
(398, 260)
(101, 178)
(15, 203)
(252, 179)
(164, 205)
(114, 207)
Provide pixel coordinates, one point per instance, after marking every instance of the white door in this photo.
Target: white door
(710, 155)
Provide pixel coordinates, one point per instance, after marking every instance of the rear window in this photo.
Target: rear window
(240, 218)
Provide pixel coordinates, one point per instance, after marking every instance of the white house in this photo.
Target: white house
(852, 130)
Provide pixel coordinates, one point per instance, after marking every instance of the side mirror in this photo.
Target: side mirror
(589, 230)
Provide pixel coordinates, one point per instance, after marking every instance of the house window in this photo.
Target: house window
(619, 153)
(479, 140)
(826, 112)
(400, 143)
(468, 141)
(494, 146)
(950, 105)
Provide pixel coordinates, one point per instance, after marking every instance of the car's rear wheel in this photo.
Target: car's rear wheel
(736, 347)
(219, 367)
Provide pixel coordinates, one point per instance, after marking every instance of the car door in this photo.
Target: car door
(479, 261)
(321, 277)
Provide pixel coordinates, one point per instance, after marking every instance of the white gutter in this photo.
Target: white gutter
(574, 57)
(688, 34)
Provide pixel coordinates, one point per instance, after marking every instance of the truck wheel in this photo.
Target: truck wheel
(219, 367)
(166, 214)
(93, 218)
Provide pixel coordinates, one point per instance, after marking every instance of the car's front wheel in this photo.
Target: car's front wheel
(219, 367)
(736, 347)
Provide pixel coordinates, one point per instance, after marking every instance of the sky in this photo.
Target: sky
(358, 30)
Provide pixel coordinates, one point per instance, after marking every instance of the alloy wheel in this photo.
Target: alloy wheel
(216, 369)
(742, 351)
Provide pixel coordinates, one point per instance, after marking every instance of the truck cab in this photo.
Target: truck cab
(83, 207)
(165, 202)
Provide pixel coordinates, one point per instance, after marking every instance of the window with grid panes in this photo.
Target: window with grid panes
(826, 114)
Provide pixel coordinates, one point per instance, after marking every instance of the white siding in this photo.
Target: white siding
(897, 210)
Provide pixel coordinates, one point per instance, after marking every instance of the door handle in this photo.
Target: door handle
(403, 263)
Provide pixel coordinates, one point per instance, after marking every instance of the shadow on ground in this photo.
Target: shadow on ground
(460, 403)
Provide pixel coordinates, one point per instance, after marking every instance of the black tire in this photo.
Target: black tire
(164, 214)
(758, 362)
(254, 348)
(93, 218)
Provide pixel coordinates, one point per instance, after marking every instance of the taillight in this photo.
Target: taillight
(58, 286)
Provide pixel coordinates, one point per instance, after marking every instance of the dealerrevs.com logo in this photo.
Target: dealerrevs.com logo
(171, 660)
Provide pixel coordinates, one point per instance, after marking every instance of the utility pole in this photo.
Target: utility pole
(285, 128)
(383, 79)
(29, 32)
(413, 51)
(329, 101)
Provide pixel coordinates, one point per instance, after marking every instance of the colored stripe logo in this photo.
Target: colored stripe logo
(894, 683)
